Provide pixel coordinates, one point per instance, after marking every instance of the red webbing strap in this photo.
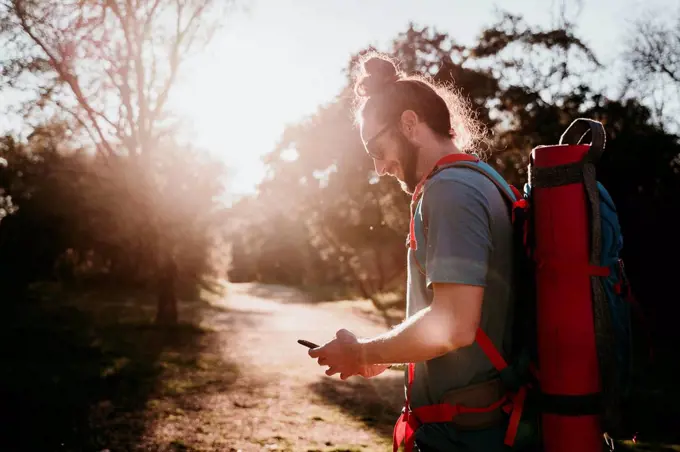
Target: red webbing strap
(517, 400)
(515, 416)
(404, 432)
(409, 421)
(407, 424)
(448, 159)
(517, 193)
(521, 203)
(490, 350)
(411, 376)
(445, 412)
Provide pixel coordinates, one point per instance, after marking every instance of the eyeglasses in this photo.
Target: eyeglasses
(377, 154)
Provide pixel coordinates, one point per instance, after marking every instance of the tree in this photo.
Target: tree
(110, 67)
(652, 63)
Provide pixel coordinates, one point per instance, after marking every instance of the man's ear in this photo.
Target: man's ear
(409, 121)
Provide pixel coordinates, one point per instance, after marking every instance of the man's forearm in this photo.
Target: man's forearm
(422, 337)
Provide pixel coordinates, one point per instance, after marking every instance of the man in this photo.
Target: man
(460, 272)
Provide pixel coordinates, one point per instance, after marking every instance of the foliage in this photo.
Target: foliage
(78, 216)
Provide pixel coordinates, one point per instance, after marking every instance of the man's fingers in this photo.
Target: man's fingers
(332, 371)
(343, 333)
(322, 361)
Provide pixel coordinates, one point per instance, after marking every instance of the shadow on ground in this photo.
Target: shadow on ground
(92, 372)
(375, 402)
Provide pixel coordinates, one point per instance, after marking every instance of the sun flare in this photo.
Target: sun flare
(240, 115)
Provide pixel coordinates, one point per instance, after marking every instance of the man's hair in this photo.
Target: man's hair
(381, 89)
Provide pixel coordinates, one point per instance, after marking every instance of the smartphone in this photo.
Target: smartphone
(307, 343)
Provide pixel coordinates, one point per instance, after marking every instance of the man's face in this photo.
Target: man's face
(393, 154)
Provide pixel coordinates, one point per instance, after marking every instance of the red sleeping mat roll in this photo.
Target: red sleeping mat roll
(567, 353)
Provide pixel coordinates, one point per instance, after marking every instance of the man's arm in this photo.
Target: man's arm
(449, 323)
(458, 245)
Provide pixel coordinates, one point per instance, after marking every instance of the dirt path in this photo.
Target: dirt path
(282, 400)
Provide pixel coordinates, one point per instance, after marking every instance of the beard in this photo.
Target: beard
(408, 159)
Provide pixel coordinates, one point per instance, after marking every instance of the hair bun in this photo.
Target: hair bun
(376, 73)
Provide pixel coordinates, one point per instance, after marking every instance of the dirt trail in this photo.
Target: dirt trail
(282, 400)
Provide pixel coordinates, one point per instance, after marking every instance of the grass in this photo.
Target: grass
(90, 370)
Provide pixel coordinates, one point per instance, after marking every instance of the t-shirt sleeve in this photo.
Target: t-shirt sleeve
(458, 233)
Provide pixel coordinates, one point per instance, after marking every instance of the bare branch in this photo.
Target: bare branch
(63, 73)
(82, 122)
(116, 57)
(181, 35)
(135, 40)
(653, 59)
(124, 96)
(137, 122)
(150, 16)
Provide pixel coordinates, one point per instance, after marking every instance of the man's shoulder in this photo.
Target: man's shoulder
(459, 181)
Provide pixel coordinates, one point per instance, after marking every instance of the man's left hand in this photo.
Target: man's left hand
(341, 355)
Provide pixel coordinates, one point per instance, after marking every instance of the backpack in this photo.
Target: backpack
(540, 418)
(611, 297)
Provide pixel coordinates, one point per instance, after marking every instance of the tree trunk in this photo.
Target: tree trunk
(167, 295)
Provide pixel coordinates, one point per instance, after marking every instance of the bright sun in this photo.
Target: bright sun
(224, 120)
(238, 113)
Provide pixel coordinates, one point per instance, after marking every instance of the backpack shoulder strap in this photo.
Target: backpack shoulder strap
(510, 193)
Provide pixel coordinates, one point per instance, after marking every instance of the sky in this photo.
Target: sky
(279, 60)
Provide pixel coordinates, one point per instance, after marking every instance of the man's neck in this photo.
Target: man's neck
(429, 157)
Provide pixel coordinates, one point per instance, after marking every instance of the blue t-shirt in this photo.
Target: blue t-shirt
(468, 241)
